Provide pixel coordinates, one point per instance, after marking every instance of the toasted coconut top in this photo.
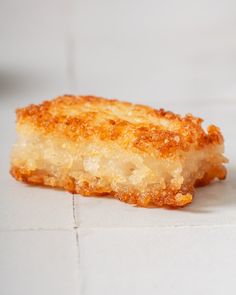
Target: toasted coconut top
(133, 126)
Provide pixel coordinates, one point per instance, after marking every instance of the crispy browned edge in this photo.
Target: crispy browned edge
(166, 197)
(190, 132)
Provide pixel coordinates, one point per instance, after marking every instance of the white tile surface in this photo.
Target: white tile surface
(27, 207)
(38, 262)
(33, 62)
(156, 49)
(161, 261)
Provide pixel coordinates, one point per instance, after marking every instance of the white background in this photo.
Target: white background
(180, 55)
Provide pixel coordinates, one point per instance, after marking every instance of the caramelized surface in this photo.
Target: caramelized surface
(134, 126)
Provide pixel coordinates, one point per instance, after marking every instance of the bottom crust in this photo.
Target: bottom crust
(154, 198)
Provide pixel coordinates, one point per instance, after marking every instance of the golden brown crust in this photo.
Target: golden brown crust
(133, 126)
(168, 197)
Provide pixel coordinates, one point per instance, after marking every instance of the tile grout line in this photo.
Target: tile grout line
(70, 57)
(71, 79)
(167, 227)
(75, 228)
(36, 229)
(70, 47)
(179, 226)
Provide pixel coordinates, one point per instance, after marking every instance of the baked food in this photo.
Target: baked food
(95, 146)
